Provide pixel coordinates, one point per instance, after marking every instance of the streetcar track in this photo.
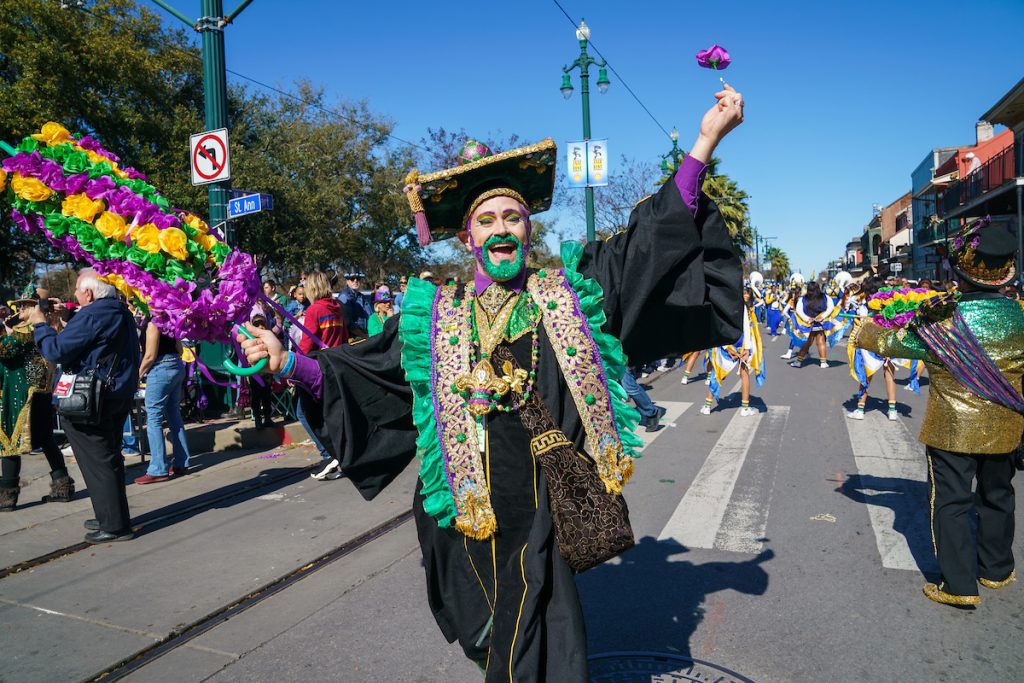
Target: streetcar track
(53, 555)
(185, 634)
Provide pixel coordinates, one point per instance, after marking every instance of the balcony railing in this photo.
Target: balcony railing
(988, 177)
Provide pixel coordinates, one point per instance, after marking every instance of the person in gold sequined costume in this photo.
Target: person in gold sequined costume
(26, 412)
(970, 438)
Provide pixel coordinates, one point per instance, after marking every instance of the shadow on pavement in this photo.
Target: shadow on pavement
(227, 496)
(653, 602)
(908, 499)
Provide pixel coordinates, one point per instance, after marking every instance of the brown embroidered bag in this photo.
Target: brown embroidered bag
(591, 524)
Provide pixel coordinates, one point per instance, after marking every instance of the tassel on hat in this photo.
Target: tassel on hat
(412, 193)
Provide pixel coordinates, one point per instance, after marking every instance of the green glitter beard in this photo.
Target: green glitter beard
(506, 270)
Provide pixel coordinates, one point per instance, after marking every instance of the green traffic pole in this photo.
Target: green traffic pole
(585, 93)
(215, 92)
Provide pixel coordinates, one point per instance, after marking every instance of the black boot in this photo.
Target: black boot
(61, 491)
(9, 498)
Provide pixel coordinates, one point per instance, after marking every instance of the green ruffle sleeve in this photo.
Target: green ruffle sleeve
(414, 332)
(613, 358)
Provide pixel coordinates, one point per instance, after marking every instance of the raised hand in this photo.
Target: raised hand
(264, 345)
(724, 116)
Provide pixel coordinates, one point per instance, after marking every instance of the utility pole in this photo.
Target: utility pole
(210, 26)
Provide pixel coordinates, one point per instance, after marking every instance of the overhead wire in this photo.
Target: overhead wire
(617, 74)
(279, 91)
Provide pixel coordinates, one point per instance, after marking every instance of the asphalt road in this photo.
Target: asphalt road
(789, 546)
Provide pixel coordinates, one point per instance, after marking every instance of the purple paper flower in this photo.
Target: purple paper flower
(715, 57)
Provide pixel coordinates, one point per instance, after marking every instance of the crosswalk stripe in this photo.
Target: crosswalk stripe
(893, 484)
(674, 409)
(699, 515)
(746, 517)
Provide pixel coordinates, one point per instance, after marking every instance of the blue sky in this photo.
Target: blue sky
(843, 100)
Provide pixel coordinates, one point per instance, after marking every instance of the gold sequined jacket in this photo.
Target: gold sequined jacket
(958, 420)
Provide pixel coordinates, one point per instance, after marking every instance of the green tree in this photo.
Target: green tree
(779, 262)
(114, 72)
(732, 203)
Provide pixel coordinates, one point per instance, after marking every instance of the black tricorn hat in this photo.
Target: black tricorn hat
(442, 199)
(984, 254)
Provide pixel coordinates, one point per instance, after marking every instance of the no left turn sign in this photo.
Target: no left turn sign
(211, 161)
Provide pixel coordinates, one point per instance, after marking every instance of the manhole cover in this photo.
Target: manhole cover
(656, 667)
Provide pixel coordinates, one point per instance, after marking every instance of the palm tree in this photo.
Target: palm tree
(779, 261)
(732, 204)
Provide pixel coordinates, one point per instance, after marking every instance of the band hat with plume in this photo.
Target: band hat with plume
(441, 201)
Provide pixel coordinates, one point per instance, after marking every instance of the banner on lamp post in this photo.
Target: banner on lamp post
(587, 163)
(597, 162)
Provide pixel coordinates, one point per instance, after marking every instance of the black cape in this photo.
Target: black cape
(672, 284)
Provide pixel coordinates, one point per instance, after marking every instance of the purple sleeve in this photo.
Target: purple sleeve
(689, 179)
(307, 376)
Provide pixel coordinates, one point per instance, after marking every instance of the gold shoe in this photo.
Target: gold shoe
(933, 592)
(988, 583)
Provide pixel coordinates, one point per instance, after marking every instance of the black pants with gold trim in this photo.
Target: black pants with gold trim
(951, 477)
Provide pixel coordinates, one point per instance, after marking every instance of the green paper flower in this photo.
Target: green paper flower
(77, 162)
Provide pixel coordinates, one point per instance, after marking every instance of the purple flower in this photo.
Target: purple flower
(25, 164)
(100, 188)
(90, 143)
(715, 57)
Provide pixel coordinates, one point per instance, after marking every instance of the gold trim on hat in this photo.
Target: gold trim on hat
(495, 192)
(545, 145)
(970, 266)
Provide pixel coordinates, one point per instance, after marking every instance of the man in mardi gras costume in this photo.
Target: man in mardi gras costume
(974, 352)
(500, 386)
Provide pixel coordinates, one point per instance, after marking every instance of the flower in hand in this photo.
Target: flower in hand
(715, 57)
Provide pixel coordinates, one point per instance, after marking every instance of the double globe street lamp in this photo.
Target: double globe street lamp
(583, 63)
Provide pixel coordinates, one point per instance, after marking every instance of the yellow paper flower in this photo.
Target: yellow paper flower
(52, 134)
(3, 179)
(206, 241)
(112, 226)
(196, 222)
(172, 240)
(29, 188)
(80, 206)
(146, 237)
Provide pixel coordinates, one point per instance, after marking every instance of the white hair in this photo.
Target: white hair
(88, 278)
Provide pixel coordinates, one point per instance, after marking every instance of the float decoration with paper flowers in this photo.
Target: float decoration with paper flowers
(87, 203)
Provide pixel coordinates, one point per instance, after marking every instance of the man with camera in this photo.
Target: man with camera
(99, 356)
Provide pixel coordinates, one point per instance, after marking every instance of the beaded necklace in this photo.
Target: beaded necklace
(483, 390)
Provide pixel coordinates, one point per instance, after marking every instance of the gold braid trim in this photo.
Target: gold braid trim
(19, 442)
(994, 585)
(496, 192)
(413, 195)
(933, 592)
(579, 359)
(457, 430)
(546, 144)
(976, 270)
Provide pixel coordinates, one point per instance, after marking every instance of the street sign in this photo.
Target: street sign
(253, 203)
(587, 163)
(210, 159)
(896, 267)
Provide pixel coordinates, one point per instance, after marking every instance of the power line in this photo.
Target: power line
(317, 106)
(191, 53)
(617, 74)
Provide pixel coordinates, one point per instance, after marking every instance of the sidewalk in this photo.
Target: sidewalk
(223, 452)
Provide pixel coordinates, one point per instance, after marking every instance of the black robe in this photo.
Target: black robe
(671, 284)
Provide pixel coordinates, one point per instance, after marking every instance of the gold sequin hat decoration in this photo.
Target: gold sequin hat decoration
(440, 200)
(984, 254)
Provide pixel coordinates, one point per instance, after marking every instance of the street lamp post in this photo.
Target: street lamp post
(583, 63)
(215, 89)
(675, 154)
